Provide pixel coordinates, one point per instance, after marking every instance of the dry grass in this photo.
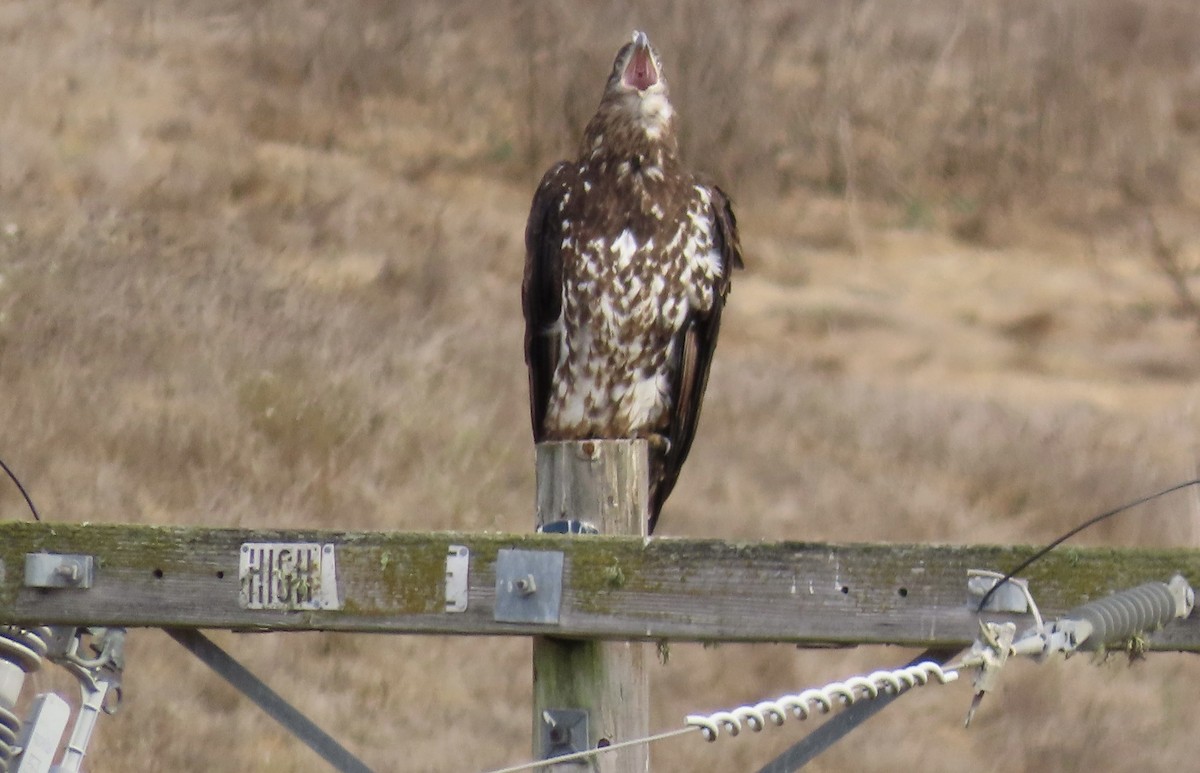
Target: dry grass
(962, 113)
(258, 266)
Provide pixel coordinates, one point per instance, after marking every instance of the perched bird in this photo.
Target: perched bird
(627, 267)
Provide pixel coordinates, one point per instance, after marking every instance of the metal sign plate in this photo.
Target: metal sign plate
(458, 565)
(288, 576)
(528, 586)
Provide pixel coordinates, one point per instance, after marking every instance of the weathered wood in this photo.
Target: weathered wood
(614, 587)
(605, 482)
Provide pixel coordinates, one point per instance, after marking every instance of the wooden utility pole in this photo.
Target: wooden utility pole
(604, 482)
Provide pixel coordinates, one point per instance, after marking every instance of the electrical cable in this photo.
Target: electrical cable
(21, 488)
(1086, 524)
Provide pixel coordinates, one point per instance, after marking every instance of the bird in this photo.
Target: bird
(628, 261)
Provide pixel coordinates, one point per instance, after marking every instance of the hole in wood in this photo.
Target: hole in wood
(220, 574)
(845, 589)
(903, 593)
(158, 573)
(603, 742)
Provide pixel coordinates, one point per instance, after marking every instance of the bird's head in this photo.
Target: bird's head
(637, 91)
(636, 68)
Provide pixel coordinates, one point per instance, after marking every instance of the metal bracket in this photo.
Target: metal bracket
(992, 650)
(458, 566)
(59, 570)
(288, 576)
(528, 586)
(1012, 596)
(564, 731)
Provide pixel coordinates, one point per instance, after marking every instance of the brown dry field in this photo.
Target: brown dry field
(259, 267)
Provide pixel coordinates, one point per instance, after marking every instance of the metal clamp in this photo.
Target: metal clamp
(99, 678)
(528, 586)
(1093, 626)
(1013, 596)
(59, 570)
(564, 731)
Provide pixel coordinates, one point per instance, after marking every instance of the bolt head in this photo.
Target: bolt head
(69, 572)
(526, 586)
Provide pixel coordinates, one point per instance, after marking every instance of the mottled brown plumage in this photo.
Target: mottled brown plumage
(628, 263)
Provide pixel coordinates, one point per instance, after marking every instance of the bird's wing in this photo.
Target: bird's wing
(694, 348)
(541, 290)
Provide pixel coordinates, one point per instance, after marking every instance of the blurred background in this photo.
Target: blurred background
(260, 267)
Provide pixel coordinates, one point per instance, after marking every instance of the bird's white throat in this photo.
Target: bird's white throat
(654, 113)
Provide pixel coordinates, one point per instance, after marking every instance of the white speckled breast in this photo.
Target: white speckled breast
(629, 285)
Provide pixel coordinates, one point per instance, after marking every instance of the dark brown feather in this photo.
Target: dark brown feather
(541, 291)
(699, 341)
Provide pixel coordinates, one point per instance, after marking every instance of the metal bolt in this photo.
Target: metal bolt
(69, 572)
(526, 585)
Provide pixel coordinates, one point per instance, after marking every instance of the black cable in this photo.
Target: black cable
(1090, 522)
(24, 493)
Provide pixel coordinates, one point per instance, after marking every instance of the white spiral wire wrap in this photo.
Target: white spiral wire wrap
(823, 699)
(775, 712)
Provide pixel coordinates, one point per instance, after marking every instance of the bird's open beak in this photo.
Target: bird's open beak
(641, 72)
